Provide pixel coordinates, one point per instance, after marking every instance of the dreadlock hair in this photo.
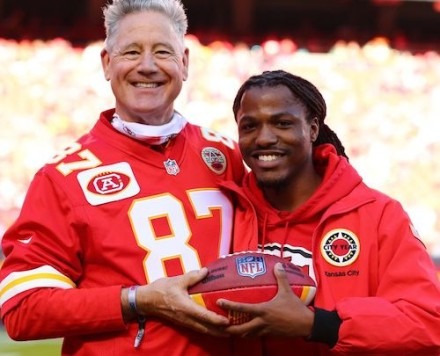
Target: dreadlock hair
(302, 89)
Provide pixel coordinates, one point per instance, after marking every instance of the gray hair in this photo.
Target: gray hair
(115, 12)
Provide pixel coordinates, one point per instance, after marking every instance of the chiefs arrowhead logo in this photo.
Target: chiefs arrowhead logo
(108, 183)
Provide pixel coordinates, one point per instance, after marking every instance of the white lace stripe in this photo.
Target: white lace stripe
(41, 277)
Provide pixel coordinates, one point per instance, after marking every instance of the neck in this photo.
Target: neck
(289, 197)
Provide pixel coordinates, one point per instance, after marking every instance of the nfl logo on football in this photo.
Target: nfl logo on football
(251, 266)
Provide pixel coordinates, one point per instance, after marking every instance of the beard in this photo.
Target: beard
(276, 183)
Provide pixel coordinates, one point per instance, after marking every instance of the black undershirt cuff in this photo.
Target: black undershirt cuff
(325, 327)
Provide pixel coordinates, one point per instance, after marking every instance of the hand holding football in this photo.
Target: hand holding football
(248, 277)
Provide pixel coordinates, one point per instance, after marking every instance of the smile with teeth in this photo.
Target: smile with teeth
(146, 85)
(268, 158)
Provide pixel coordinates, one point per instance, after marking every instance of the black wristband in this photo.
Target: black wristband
(326, 326)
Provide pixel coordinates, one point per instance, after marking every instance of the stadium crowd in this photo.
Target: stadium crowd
(383, 103)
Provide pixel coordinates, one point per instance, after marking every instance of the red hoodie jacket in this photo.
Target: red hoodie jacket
(360, 247)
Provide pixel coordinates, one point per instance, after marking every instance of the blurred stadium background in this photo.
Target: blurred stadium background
(377, 62)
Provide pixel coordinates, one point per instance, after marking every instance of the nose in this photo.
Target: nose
(147, 62)
(266, 136)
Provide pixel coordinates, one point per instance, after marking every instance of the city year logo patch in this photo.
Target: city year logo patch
(108, 183)
(340, 247)
(250, 266)
(214, 159)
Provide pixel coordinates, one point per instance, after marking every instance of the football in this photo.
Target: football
(248, 277)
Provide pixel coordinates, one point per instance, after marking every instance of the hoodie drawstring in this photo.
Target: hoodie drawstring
(286, 233)
(263, 237)
(262, 244)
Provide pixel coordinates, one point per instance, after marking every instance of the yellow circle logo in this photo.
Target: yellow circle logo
(340, 247)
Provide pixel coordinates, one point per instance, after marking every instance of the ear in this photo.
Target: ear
(105, 62)
(314, 129)
(185, 60)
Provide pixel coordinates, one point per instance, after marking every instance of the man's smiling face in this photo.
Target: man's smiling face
(146, 65)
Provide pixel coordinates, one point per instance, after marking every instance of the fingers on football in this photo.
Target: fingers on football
(209, 317)
(239, 307)
(193, 277)
(209, 329)
(281, 276)
(204, 328)
(248, 329)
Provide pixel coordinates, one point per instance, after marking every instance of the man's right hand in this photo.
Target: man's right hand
(168, 298)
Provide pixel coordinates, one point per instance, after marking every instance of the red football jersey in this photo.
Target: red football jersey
(111, 211)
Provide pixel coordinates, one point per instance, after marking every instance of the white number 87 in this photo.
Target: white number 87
(176, 245)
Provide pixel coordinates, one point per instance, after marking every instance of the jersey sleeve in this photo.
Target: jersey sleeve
(405, 309)
(44, 259)
(66, 312)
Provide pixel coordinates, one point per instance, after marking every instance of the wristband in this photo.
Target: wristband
(132, 299)
(141, 319)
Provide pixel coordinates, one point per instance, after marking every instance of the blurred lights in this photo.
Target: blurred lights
(271, 47)
(52, 92)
